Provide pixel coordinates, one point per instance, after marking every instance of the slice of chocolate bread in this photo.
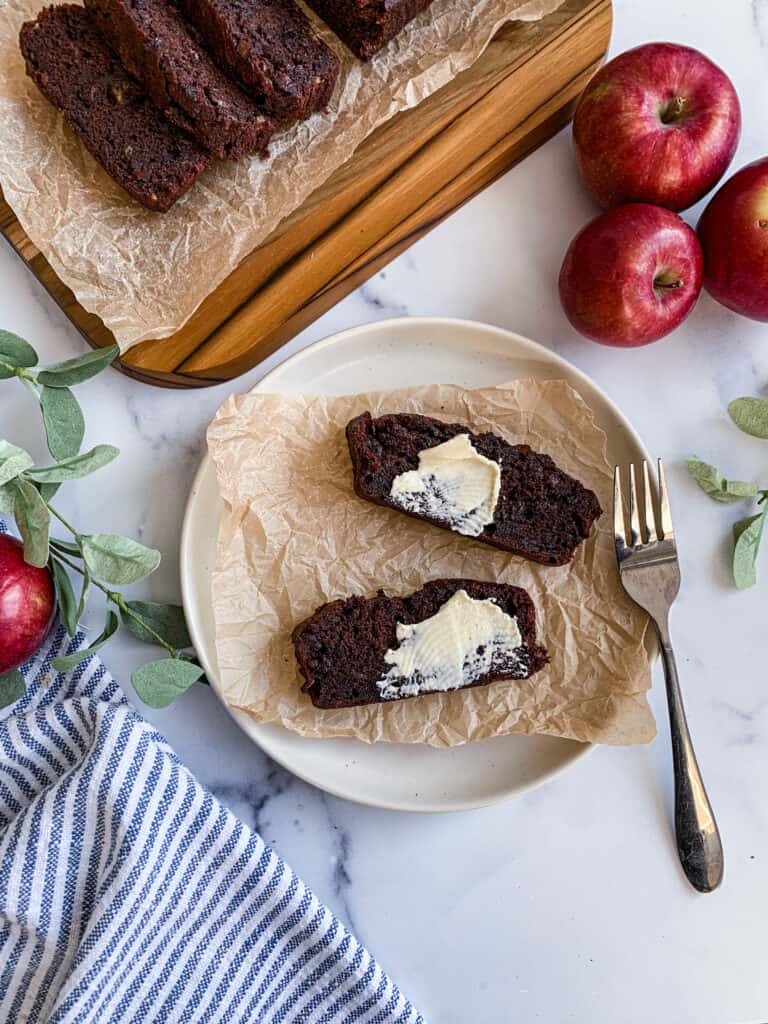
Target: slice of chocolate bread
(165, 54)
(72, 65)
(367, 25)
(478, 485)
(271, 49)
(451, 634)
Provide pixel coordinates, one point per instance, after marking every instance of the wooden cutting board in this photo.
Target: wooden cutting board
(403, 180)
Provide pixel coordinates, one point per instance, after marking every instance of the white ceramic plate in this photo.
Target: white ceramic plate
(379, 356)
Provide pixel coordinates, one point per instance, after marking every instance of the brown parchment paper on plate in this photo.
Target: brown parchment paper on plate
(294, 535)
(145, 273)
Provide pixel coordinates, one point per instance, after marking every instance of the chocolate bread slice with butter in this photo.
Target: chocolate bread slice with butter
(479, 485)
(451, 634)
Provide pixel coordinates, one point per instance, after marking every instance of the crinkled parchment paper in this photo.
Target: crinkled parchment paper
(294, 535)
(145, 273)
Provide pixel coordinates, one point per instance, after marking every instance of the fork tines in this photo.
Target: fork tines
(654, 523)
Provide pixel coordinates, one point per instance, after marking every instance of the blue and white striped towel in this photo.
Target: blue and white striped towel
(129, 894)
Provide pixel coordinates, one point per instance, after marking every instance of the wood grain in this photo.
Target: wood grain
(403, 180)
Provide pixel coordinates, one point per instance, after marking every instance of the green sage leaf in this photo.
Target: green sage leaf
(64, 423)
(165, 619)
(66, 596)
(16, 352)
(11, 688)
(741, 525)
(7, 499)
(76, 467)
(747, 534)
(33, 520)
(118, 560)
(159, 683)
(69, 661)
(13, 461)
(79, 369)
(750, 415)
(713, 483)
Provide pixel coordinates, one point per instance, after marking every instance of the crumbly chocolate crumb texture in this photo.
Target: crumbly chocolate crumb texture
(542, 513)
(146, 155)
(365, 26)
(340, 649)
(164, 52)
(270, 48)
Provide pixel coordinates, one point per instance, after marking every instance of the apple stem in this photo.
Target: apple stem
(667, 282)
(674, 110)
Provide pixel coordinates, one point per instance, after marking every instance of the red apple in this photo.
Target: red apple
(733, 232)
(658, 124)
(27, 604)
(631, 275)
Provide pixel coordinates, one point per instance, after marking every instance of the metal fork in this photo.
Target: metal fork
(650, 573)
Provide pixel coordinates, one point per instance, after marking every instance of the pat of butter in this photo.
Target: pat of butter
(463, 641)
(454, 483)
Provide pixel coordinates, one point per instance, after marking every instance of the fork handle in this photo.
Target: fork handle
(698, 838)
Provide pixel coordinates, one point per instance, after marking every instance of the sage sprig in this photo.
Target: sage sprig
(750, 415)
(103, 561)
(747, 532)
(62, 416)
(713, 483)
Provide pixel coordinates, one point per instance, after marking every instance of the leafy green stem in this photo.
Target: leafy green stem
(104, 559)
(18, 371)
(62, 520)
(118, 600)
(747, 532)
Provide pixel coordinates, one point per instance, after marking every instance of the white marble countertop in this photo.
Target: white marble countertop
(566, 904)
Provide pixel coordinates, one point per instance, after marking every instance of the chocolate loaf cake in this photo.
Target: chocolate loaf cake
(478, 485)
(146, 155)
(270, 48)
(365, 26)
(451, 634)
(165, 54)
